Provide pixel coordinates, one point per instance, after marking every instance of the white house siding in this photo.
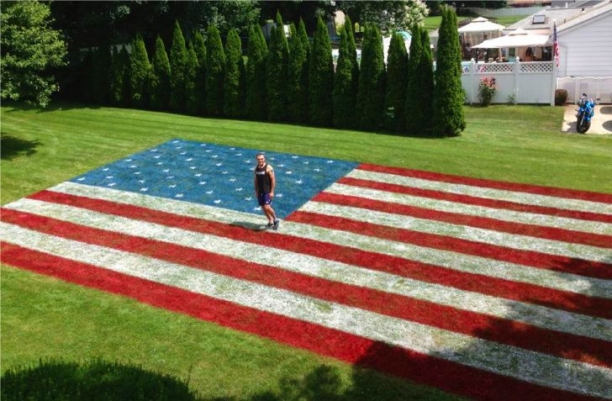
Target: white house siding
(586, 48)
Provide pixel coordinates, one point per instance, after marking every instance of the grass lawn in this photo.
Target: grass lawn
(44, 317)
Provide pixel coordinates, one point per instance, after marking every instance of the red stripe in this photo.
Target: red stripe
(419, 271)
(527, 258)
(406, 364)
(505, 331)
(530, 230)
(480, 182)
(477, 201)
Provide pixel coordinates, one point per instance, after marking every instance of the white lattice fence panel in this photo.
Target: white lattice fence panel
(544, 67)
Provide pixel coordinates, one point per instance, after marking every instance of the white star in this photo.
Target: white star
(209, 192)
(133, 166)
(248, 198)
(225, 172)
(294, 157)
(172, 186)
(202, 182)
(166, 170)
(197, 174)
(82, 178)
(232, 179)
(156, 156)
(192, 167)
(330, 161)
(128, 160)
(219, 164)
(182, 153)
(317, 169)
(214, 156)
(144, 189)
(239, 189)
(218, 201)
(136, 172)
(141, 181)
(154, 150)
(112, 184)
(170, 177)
(298, 181)
(109, 177)
(179, 195)
(288, 172)
(160, 163)
(105, 169)
(279, 195)
(190, 159)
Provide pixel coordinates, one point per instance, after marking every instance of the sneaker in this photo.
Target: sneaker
(276, 223)
(270, 225)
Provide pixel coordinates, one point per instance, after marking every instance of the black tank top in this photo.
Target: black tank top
(263, 179)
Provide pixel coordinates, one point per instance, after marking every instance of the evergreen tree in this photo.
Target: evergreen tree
(100, 84)
(140, 71)
(397, 76)
(200, 83)
(449, 119)
(117, 73)
(371, 95)
(321, 78)
(426, 85)
(160, 77)
(255, 75)
(234, 76)
(413, 108)
(346, 80)
(215, 72)
(178, 65)
(191, 105)
(276, 70)
(297, 85)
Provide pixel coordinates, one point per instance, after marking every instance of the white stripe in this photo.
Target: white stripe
(482, 235)
(511, 361)
(474, 210)
(447, 259)
(488, 193)
(329, 270)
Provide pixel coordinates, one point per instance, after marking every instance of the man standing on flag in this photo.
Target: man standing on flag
(265, 183)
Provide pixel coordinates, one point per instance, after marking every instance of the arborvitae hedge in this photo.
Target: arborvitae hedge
(200, 84)
(426, 85)
(371, 95)
(397, 77)
(215, 73)
(140, 71)
(413, 95)
(234, 76)
(346, 80)
(101, 75)
(276, 72)
(297, 84)
(256, 71)
(449, 119)
(191, 105)
(178, 64)
(160, 78)
(320, 78)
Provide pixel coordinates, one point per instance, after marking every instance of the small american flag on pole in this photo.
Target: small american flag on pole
(555, 45)
(492, 290)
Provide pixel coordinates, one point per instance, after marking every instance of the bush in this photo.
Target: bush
(486, 90)
(560, 97)
(95, 380)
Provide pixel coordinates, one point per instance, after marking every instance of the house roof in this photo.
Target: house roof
(601, 9)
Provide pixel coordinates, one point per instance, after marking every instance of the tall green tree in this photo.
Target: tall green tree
(397, 77)
(200, 85)
(371, 95)
(30, 48)
(321, 78)
(412, 115)
(426, 85)
(100, 75)
(178, 65)
(160, 77)
(234, 84)
(297, 85)
(140, 71)
(276, 72)
(449, 119)
(215, 72)
(120, 78)
(346, 80)
(256, 101)
(191, 105)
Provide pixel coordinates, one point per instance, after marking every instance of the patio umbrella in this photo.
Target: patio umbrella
(518, 38)
(481, 24)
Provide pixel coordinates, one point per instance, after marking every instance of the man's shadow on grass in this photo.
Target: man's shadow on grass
(12, 147)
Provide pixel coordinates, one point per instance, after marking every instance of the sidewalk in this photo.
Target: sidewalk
(601, 123)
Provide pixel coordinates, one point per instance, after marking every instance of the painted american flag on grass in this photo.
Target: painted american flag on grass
(486, 289)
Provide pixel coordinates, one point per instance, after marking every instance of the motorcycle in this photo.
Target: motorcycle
(584, 114)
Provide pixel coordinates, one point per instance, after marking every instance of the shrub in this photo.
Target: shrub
(560, 97)
(486, 90)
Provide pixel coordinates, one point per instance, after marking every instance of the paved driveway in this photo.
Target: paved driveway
(600, 124)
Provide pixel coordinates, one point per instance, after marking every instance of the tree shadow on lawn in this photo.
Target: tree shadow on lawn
(58, 105)
(12, 147)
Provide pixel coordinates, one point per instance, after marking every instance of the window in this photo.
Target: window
(539, 19)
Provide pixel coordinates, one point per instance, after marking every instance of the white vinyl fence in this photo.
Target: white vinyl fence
(517, 82)
(595, 87)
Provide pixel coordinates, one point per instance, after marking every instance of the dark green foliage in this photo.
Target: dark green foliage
(94, 381)
(234, 76)
(371, 94)
(413, 95)
(397, 78)
(320, 78)
(101, 75)
(160, 78)
(276, 72)
(426, 85)
(191, 105)
(178, 65)
(255, 72)
(449, 119)
(346, 80)
(215, 72)
(200, 84)
(297, 84)
(140, 71)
